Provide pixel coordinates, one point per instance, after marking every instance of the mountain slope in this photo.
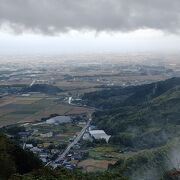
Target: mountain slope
(129, 96)
(145, 126)
(150, 124)
(14, 160)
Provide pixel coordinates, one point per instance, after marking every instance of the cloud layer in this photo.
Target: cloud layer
(55, 16)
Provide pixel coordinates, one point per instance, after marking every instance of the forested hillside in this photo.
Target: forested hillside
(143, 119)
(146, 118)
(14, 160)
(42, 88)
(128, 96)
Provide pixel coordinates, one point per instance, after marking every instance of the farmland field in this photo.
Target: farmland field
(106, 152)
(19, 109)
(61, 133)
(91, 165)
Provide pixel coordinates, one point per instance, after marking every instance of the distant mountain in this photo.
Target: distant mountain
(11, 89)
(150, 91)
(42, 88)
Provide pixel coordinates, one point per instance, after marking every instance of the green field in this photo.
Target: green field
(104, 152)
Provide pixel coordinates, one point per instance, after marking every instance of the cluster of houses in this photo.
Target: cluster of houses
(47, 154)
(44, 154)
(72, 159)
(42, 150)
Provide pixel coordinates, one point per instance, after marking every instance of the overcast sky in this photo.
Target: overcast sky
(80, 26)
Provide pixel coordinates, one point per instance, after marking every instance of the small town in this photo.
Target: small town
(44, 139)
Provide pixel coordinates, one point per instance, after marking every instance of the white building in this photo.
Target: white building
(99, 134)
(59, 120)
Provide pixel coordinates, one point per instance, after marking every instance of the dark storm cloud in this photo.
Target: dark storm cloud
(54, 16)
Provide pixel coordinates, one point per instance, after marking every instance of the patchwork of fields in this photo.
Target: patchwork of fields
(61, 133)
(20, 109)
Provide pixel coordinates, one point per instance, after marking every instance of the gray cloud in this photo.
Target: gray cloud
(54, 16)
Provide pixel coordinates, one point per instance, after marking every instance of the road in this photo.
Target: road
(75, 141)
(63, 155)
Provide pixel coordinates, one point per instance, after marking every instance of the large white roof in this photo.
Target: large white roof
(97, 132)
